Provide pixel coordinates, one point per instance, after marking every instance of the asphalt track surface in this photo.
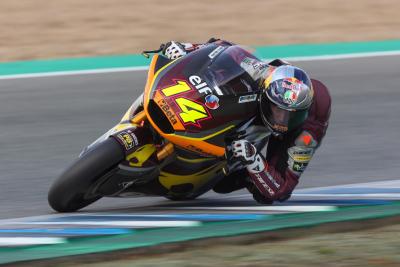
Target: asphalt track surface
(45, 122)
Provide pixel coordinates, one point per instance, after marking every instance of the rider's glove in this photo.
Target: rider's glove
(244, 151)
(174, 50)
(247, 154)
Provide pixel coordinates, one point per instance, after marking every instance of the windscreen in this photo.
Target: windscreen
(226, 73)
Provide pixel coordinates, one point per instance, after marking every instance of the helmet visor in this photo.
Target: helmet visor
(280, 120)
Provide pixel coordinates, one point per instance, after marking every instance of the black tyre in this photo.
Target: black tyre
(70, 191)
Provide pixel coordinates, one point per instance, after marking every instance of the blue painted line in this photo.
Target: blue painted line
(69, 231)
(161, 217)
(351, 190)
(340, 202)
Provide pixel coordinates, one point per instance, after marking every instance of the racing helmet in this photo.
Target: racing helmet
(286, 97)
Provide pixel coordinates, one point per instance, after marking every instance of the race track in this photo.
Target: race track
(45, 122)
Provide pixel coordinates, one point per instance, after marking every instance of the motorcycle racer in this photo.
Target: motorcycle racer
(294, 112)
(211, 116)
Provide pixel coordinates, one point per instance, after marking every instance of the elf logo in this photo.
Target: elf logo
(202, 86)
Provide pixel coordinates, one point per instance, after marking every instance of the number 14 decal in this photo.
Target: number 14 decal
(192, 111)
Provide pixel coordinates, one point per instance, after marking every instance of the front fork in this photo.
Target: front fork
(143, 158)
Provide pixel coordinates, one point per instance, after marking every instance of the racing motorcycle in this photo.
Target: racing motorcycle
(173, 140)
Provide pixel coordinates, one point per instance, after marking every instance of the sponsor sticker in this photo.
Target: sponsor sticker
(276, 184)
(299, 157)
(292, 83)
(202, 87)
(290, 97)
(212, 101)
(167, 111)
(303, 155)
(257, 166)
(247, 98)
(302, 158)
(128, 138)
(264, 184)
(257, 65)
(215, 52)
(280, 128)
(299, 166)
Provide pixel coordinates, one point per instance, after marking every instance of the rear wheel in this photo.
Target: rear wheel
(70, 192)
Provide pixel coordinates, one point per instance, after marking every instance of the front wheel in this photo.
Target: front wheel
(70, 192)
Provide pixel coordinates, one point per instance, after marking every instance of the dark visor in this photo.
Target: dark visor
(279, 119)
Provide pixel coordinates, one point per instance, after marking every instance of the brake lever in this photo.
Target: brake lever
(146, 53)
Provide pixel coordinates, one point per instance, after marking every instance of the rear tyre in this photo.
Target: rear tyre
(70, 192)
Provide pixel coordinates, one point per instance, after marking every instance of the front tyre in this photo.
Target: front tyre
(70, 192)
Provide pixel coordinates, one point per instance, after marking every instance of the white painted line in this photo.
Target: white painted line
(379, 184)
(244, 196)
(72, 72)
(343, 56)
(266, 208)
(133, 224)
(141, 68)
(302, 191)
(353, 196)
(24, 241)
